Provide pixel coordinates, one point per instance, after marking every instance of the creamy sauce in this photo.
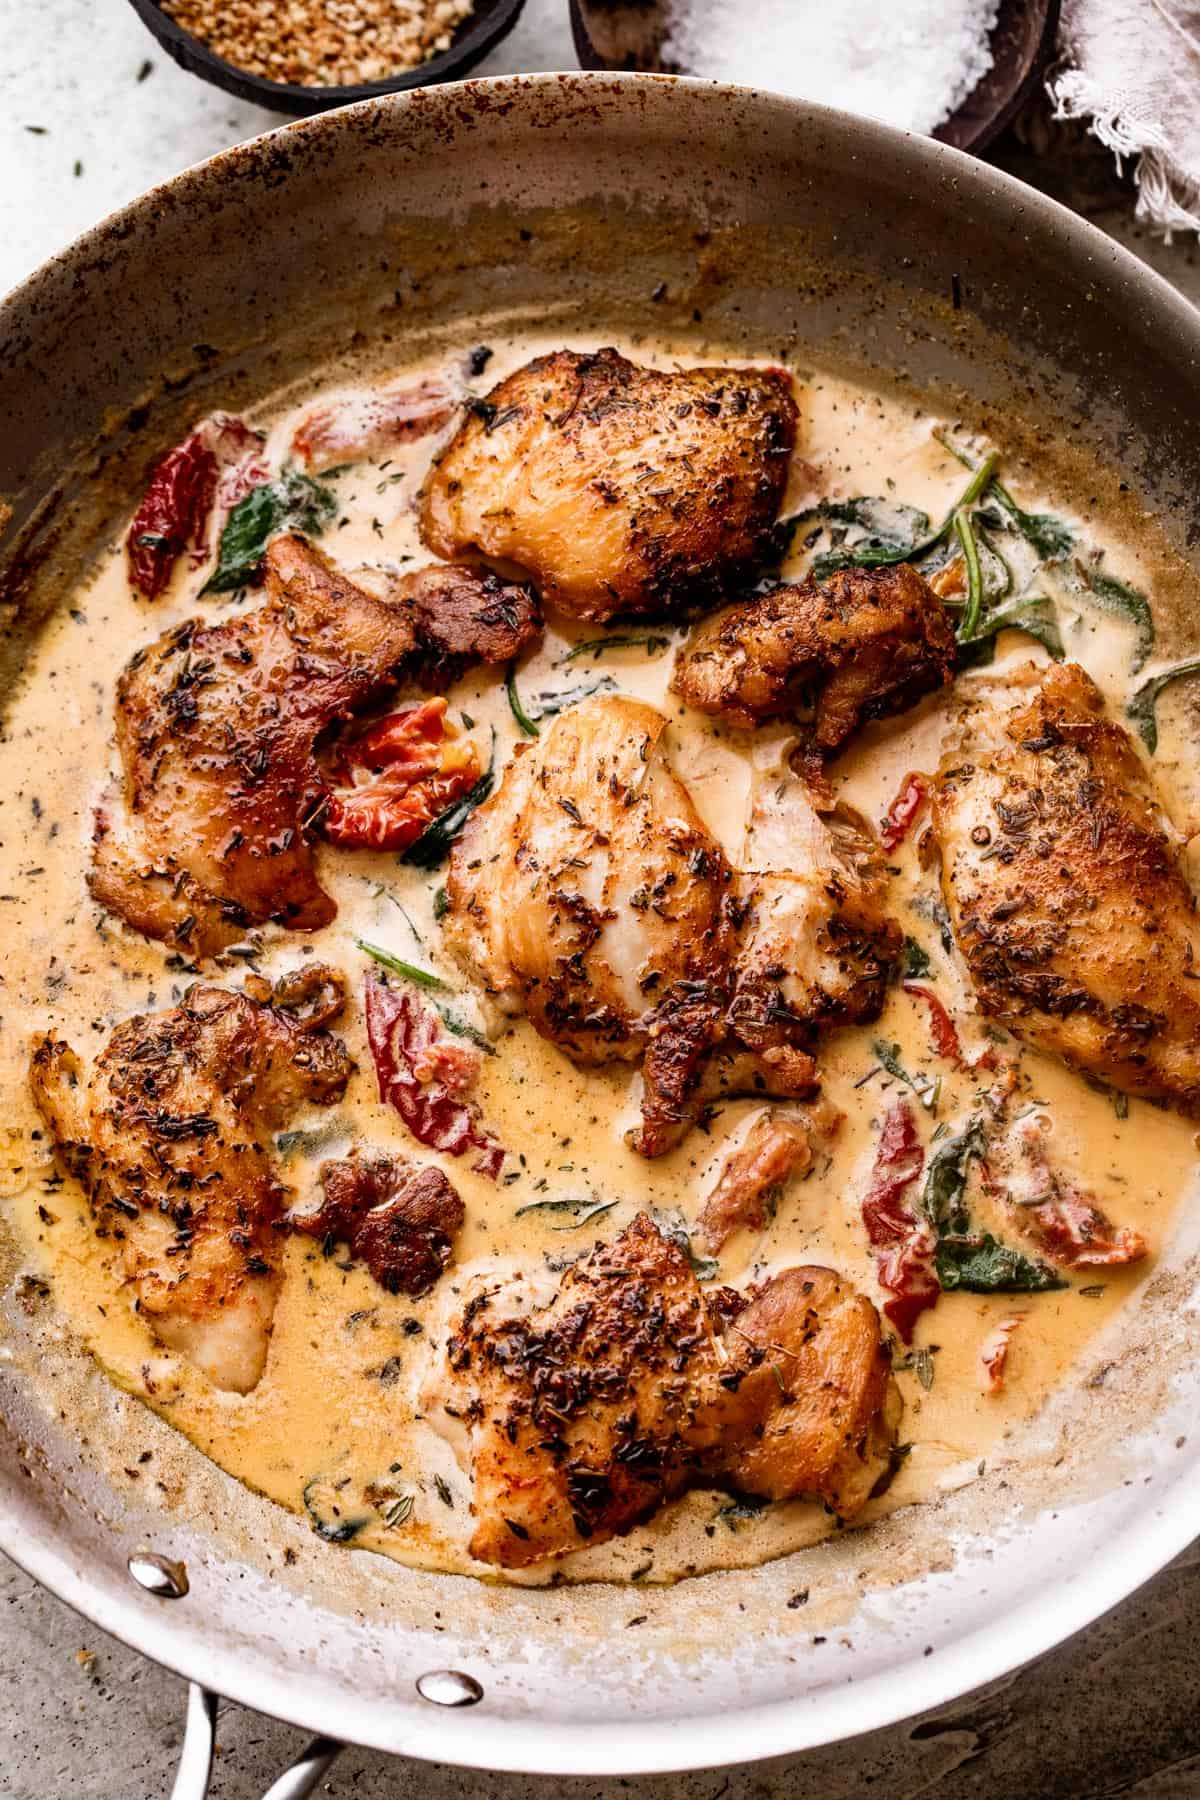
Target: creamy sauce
(338, 1409)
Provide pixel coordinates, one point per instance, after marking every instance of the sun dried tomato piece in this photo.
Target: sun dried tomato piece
(902, 814)
(401, 774)
(904, 1249)
(404, 1035)
(177, 505)
(361, 425)
(1066, 1223)
(1076, 1233)
(993, 1354)
(942, 1029)
(173, 514)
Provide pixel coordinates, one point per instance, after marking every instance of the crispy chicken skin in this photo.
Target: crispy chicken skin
(1063, 881)
(583, 1415)
(399, 1218)
(616, 489)
(216, 726)
(588, 892)
(817, 1410)
(861, 645)
(168, 1134)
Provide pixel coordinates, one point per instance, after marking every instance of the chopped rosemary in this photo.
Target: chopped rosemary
(423, 977)
(526, 724)
(654, 643)
(582, 1211)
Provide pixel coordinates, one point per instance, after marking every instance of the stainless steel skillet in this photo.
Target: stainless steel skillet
(641, 204)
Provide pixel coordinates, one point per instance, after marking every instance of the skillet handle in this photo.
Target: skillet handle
(199, 1742)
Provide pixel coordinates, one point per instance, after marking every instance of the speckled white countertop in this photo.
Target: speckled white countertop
(91, 113)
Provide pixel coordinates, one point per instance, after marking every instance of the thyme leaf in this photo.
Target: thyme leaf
(398, 1511)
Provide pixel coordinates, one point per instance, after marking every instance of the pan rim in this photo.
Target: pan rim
(742, 1734)
(657, 1746)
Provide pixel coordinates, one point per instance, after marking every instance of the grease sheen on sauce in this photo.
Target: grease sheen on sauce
(339, 1397)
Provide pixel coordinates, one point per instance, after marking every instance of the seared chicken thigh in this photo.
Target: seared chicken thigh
(816, 946)
(616, 488)
(861, 645)
(589, 893)
(587, 890)
(166, 1134)
(216, 727)
(583, 1415)
(1063, 880)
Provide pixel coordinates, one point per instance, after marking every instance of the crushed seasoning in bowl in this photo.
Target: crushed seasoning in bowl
(302, 56)
(322, 43)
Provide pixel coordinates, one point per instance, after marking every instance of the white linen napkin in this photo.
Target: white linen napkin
(1130, 69)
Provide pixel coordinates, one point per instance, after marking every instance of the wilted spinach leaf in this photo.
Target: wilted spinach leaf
(294, 500)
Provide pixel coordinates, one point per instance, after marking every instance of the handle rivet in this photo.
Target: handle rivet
(449, 1687)
(158, 1574)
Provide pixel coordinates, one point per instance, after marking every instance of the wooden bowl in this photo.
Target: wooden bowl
(479, 32)
(628, 34)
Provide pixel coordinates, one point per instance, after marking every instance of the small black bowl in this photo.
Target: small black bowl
(628, 34)
(478, 33)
